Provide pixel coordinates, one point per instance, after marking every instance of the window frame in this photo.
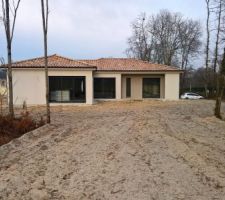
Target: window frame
(159, 88)
(128, 87)
(103, 85)
(74, 79)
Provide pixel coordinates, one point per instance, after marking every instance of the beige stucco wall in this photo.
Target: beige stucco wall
(136, 85)
(172, 84)
(29, 84)
(117, 76)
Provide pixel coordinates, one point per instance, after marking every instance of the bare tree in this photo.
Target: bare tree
(207, 46)
(218, 11)
(45, 13)
(198, 79)
(218, 30)
(219, 8)
(164, 38)
(165, 28)
(190, 34)
(3, 93)
(9, 10)
(221, 87)
(139, 45)
(215, 11)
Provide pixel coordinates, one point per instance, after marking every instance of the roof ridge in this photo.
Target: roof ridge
(52, 55)
(150, 62)
(115, 58)
(39, 57)
(71, 59)
(134, 59)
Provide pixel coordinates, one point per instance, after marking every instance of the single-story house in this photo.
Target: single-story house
(84, 81)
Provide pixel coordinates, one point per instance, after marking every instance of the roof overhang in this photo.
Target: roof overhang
(142, 71)
(56, 68)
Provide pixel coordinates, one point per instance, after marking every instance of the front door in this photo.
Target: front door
(128, 87)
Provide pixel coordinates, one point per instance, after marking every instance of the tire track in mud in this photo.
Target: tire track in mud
(150, 158)
(207, 173)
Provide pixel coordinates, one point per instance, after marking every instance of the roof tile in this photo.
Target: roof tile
(127, 64)
(102, 64)
(54, 61)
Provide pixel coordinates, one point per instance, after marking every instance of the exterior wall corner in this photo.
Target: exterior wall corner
(172, 86)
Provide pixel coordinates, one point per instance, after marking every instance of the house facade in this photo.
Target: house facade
(86, 81)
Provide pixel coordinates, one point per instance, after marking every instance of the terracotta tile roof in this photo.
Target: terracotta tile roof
(54, 61)
(102, 64)
(127, 64)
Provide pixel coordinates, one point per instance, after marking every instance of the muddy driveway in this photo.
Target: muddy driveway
(123, 150)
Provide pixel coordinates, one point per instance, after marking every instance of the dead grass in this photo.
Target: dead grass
(11, 128)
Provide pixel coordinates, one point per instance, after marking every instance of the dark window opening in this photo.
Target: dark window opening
(128, 87)
(151, 87)
(104, 88)
(67, 89)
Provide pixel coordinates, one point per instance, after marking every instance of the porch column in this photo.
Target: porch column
(118, 86)
(89, 88)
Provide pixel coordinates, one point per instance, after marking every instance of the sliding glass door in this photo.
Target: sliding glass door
(67, 89)
(151, 88)
(104, 88)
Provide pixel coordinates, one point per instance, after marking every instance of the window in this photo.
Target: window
(151, 88)
(192, 94)
(128, 87)
(104, 88)
(67, 89)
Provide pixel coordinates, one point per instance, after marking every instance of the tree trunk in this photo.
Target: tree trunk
(219, 98)
(218, 107)
(47, 80)
(10, 84)
(207, 49)
(9, 54)
(45, 33)
(183, 81)
(217, 45)
(183, 76)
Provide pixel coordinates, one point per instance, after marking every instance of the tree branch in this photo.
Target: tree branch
(14, 18)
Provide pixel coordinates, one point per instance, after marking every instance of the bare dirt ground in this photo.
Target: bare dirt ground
(121, 150)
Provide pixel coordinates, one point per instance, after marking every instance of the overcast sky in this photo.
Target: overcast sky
(87, 28)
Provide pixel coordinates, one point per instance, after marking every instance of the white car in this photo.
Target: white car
(190, 95)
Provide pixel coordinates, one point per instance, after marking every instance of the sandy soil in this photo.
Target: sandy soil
(124, 150)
